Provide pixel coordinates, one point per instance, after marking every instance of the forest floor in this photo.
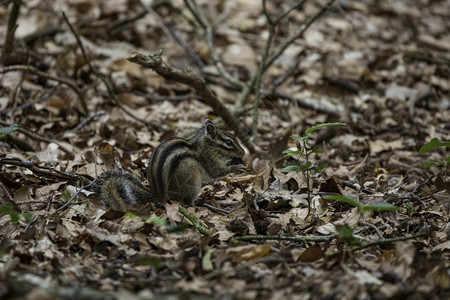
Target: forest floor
(382, 67)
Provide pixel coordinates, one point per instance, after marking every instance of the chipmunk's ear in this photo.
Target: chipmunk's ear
(210, 128)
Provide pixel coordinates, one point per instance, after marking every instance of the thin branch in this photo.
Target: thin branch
(203, 21)
(35, 71)
(41, 170)
(297, 238)
(88, 119)
(7, 193)
(155, 62)
(153, 97)
(179, 39)
(36, 137)
(298, 34)
(73, 197)
(103, 78)
(303, 103)
(390, 240)
(8, 47)
(267, 60)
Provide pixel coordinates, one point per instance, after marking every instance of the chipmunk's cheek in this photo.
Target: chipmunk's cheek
(234, 161)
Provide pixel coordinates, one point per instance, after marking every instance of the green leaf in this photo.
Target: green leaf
(306, 166)
(346, 199)
(290, 152)
(9, 210)
(155, 262)
(380, 207)
(301, 139)
(346, 235)
(207, 264)
(66, 195)
(7, 130)
(158, 221)
(290, 168)
(428, 164)
(433, 144)
(320, 168)
(314, 128)
(317, 151)
(177, 227)
(28, 217)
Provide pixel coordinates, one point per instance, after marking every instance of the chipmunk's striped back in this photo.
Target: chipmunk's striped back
(178, 166)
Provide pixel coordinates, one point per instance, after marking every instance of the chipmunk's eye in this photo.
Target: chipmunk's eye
(229, 142)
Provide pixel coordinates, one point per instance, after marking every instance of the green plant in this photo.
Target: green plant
(14, 215)
(8, 130)
(346, 233)
(432, 145)
(303, 152)
(361, 206)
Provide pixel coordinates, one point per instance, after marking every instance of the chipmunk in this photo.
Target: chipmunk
(177, 169)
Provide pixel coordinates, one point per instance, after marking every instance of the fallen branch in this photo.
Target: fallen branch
(297, 238)
(155, 62)
(42, 171)
(380, 242)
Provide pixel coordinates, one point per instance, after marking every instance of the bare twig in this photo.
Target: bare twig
(155, 62)
(41, 170)
(152, 97)
(8, 47)
(88, 119)
(107, 83)
(303, 103)
(36, 137)
(203, 21)
(390, 240)
(72, 198)
(198, 61)
(6, 192)
(297, 238)
(267, 60)
(35, 71)
(40, 99)
(298, 34)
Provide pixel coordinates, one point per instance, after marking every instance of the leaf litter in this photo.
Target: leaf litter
(388, 80)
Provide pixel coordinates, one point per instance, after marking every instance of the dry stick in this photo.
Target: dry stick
(390, 240)
(8, 47)
(103, 78)
(168, 98)
(179, 39)
(36, 137)
(33, 70)
(43, 171)
(6, 192)
(157, 64)
(73, 197)
(297, 238)
(261, 70)
(201, 18)
(251, 86)
(88, 119)
(303, 103)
